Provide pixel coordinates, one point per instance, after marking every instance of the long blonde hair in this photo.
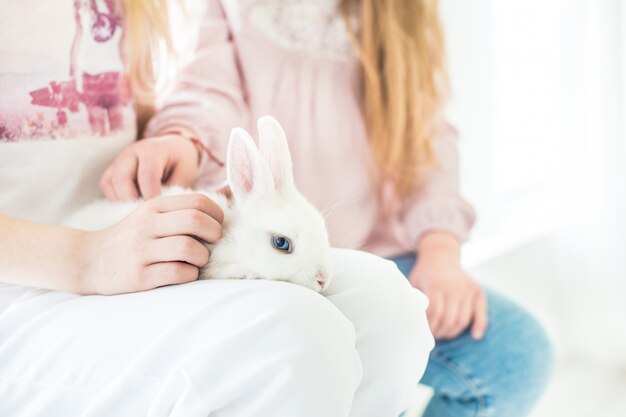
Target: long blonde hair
(401, 48)
(148, 48)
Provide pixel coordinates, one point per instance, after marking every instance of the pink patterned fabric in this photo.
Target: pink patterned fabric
(65, 106)
(62, 73)
(238, 73)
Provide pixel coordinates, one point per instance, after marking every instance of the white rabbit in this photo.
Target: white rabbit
(270, 230)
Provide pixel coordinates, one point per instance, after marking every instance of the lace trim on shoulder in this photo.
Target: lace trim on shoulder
(314, 27)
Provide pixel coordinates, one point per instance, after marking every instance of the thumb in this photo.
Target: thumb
(180, 171)
(180, 174)
(150, 172)
(182, 162)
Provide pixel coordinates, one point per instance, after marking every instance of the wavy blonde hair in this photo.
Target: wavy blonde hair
(148, 48)
(401, 49)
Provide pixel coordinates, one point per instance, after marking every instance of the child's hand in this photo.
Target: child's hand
(456, 300)
(142, 167)
(157, 244)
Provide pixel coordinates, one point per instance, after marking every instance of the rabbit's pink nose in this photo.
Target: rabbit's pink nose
(321, 278)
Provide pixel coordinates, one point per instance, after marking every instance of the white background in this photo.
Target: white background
(539, 93)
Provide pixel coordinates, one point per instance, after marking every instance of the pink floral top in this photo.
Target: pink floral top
(65, 106)
(61, 72)
(293, 59)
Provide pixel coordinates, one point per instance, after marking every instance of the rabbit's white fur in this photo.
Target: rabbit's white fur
(265, 203)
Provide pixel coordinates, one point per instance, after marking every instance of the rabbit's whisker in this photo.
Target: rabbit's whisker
(328, 210)
(348, 236)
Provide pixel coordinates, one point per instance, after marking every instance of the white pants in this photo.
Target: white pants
(219, 348)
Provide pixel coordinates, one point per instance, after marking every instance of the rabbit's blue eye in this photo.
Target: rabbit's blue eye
(281, 243)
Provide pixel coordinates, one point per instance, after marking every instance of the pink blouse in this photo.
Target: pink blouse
(253, 60)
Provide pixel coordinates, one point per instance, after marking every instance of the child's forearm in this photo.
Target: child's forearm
(40, 255)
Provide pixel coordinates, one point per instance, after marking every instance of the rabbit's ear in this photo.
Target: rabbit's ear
(274, 149)
(248, 175)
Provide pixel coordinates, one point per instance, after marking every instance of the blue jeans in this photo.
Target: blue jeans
(502, 375)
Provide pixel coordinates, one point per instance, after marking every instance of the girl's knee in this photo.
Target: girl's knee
(394, 309)
(522, 354)
(279, 336)
(319, 341)
(505, 373)
(535, 362)
(390, 315)
(521, 335)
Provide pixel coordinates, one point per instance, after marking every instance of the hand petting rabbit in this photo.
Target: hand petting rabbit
(269, 229)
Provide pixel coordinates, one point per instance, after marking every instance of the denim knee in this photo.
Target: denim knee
(503, 374)
(522, 357)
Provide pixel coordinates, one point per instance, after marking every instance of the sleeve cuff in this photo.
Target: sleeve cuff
(444, 214)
